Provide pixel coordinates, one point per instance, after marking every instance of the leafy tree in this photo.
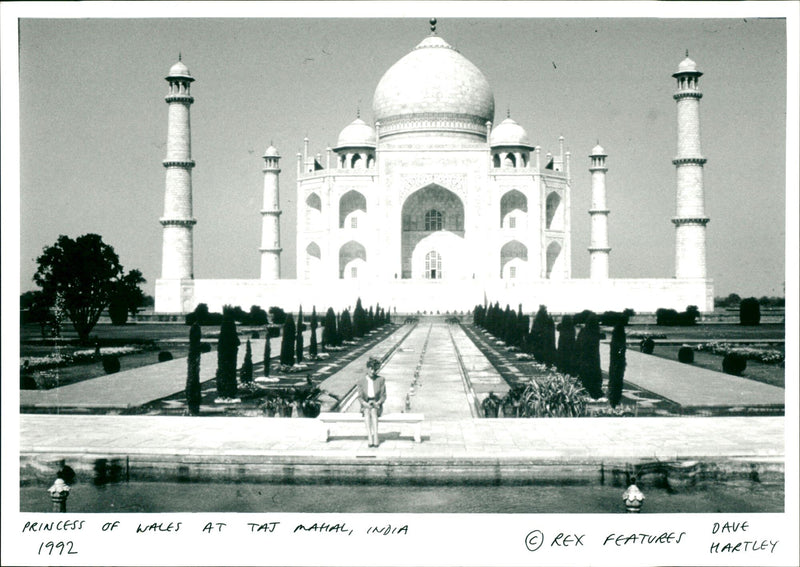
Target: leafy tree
(246, 373)
(84, 273)
(299, 337)
(566, 346)
(257, 316)
(616, 365)
(312, 343)
(278, 315)
(193, 394)
(127, 297)
(287, 341)
(227, 349)
(330, 336)
(588, 347)
(34, 308)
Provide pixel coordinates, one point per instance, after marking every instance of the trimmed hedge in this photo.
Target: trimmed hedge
(647, 345)
(205, 347)
(164, 356)
(111, 364)
(734, 363)
(686, 355)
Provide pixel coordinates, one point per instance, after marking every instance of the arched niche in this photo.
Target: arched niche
(427, 211)
(313, 210)
(514, 203)
(350, 202)
(553, 259)
(554, 212)
(513, 250)
(349, 252)
(313, 261)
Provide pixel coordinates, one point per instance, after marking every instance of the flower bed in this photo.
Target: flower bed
(60, 359)
(759, 354)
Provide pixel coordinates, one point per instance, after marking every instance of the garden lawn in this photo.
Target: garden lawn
(772, 374)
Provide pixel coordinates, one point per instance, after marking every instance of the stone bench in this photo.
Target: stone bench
(414, 419)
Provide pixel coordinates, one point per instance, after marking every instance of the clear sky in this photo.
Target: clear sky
(93, 126)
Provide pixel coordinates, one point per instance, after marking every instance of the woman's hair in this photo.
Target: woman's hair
(373, 363)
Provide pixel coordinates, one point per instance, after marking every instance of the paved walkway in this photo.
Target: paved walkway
(693, 386)
(546, 440)
(135, 387)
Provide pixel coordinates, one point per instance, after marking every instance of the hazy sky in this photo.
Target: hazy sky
(93, 127)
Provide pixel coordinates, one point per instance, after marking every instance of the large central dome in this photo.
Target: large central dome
(435, 89)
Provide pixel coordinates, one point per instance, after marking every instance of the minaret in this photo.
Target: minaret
(177, 252)
(271, 218)
(598, 248)
(690, 218)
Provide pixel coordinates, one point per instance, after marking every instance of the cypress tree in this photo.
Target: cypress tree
(749, 311)
(359, 320)
(589, 351)
(246, 372)
(267, 352)
(346, 329)
(616, 365)
(538, 334)
(312, 343)
(227, 349)
(370, 319)
(566, 345)
(329, 333)
(298, 347)
(287, 342)
(193, 395)
(550, 354)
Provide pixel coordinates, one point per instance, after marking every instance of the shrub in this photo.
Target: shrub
(255, 335)
(118, 310)
(555, 395)
(616, 366)
(686, 354)
(581, 318)
(749, 312)
(647, 345)
(27, 382)
(111, 364)
(257, 316)
(164, 356)
(193, 393)
(614, 318)
(205, 347)
(734, 363)
(666, 317)
(267, 355)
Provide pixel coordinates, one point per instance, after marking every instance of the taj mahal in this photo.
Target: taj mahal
(436, 204)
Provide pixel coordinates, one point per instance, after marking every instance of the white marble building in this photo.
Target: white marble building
(433, 206)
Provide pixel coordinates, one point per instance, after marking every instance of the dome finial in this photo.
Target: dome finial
(433, 26)
(179, 55)
(358, 109)
(687, 53)
(508, 111)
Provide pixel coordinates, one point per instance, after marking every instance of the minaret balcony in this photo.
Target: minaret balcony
(702, 221)
(186, 163)
(178, 222)
(179, 98)
(687, 94)
(685, 160)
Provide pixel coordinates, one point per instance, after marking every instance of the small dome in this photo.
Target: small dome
(509, 133)
(271, 151)
(598, 150)
(179, 70)
(357, 134)
(687, 66)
